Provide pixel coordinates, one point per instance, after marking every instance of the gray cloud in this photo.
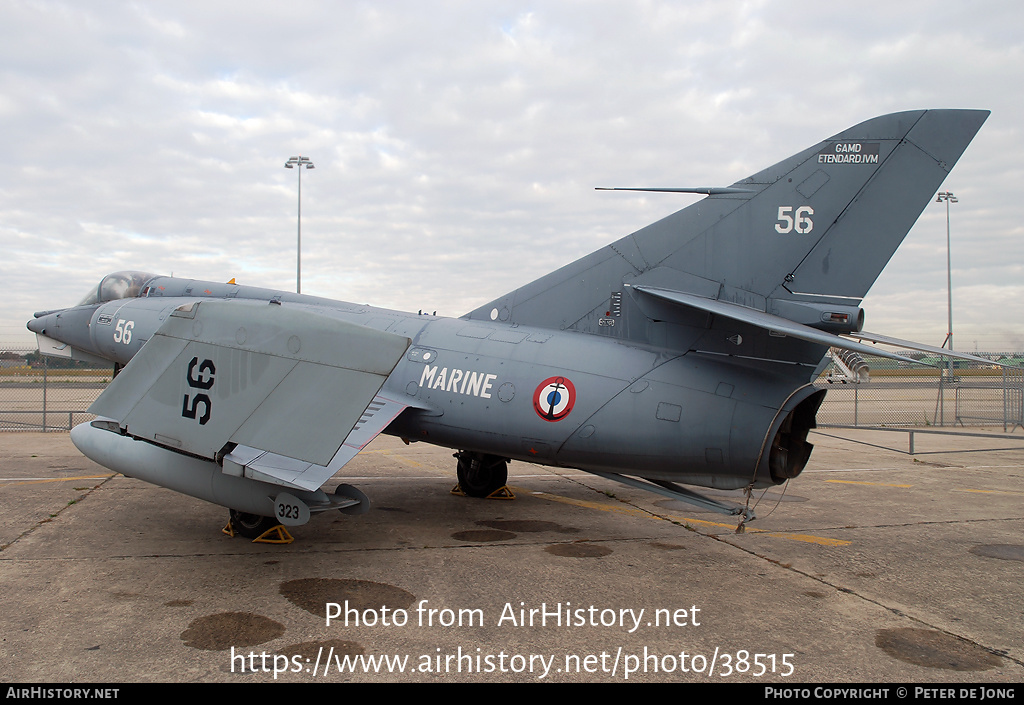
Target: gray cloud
(457, 144)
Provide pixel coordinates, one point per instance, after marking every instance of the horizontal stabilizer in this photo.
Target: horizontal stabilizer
(766, 321)
(706, 190)
(280, 379)
(920, 347)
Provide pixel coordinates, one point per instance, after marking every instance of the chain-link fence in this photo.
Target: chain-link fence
(39, 393)
(960, 396)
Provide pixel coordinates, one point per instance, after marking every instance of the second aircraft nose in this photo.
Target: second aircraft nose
(69, 325)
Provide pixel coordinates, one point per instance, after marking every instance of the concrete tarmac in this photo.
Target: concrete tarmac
(872, 566)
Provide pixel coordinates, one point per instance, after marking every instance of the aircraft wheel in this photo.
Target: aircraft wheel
(480, 475)
(251, 526)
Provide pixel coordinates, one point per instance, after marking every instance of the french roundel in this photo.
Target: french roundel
(554, 398)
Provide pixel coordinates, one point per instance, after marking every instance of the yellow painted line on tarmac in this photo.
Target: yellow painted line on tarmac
(624, 509)
(631, 511)
(39, 481)
(877, 484)
(808, 538)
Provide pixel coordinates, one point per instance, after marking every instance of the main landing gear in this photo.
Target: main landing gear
(482, 475)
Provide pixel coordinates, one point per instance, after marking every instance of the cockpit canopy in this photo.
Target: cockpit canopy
(119, 285)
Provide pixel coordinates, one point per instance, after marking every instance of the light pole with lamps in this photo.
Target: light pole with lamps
(948, 197)
(301, 162)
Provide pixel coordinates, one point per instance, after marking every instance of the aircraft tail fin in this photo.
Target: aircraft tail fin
(804, 239)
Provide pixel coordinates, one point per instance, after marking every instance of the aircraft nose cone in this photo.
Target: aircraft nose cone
(43, 320)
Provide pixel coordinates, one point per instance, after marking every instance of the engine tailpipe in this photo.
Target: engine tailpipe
(790, 450)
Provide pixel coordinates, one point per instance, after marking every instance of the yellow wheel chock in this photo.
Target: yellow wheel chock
(275, 534)
(503, 492)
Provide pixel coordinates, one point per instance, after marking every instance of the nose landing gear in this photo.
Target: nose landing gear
(259, 528)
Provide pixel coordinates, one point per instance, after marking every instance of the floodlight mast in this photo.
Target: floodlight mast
(948, 197)
(308, 164)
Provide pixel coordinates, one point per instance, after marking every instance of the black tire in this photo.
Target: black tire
(480, 475)
(251, 526)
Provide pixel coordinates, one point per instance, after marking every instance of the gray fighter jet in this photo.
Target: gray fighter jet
(682, 353)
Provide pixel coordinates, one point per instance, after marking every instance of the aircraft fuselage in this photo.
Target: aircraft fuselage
(551, 397)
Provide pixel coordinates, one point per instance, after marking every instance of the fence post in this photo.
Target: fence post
(1013, 399)
(46, 366)
(942, 398)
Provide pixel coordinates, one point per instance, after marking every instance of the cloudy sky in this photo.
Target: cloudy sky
(457, 144)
